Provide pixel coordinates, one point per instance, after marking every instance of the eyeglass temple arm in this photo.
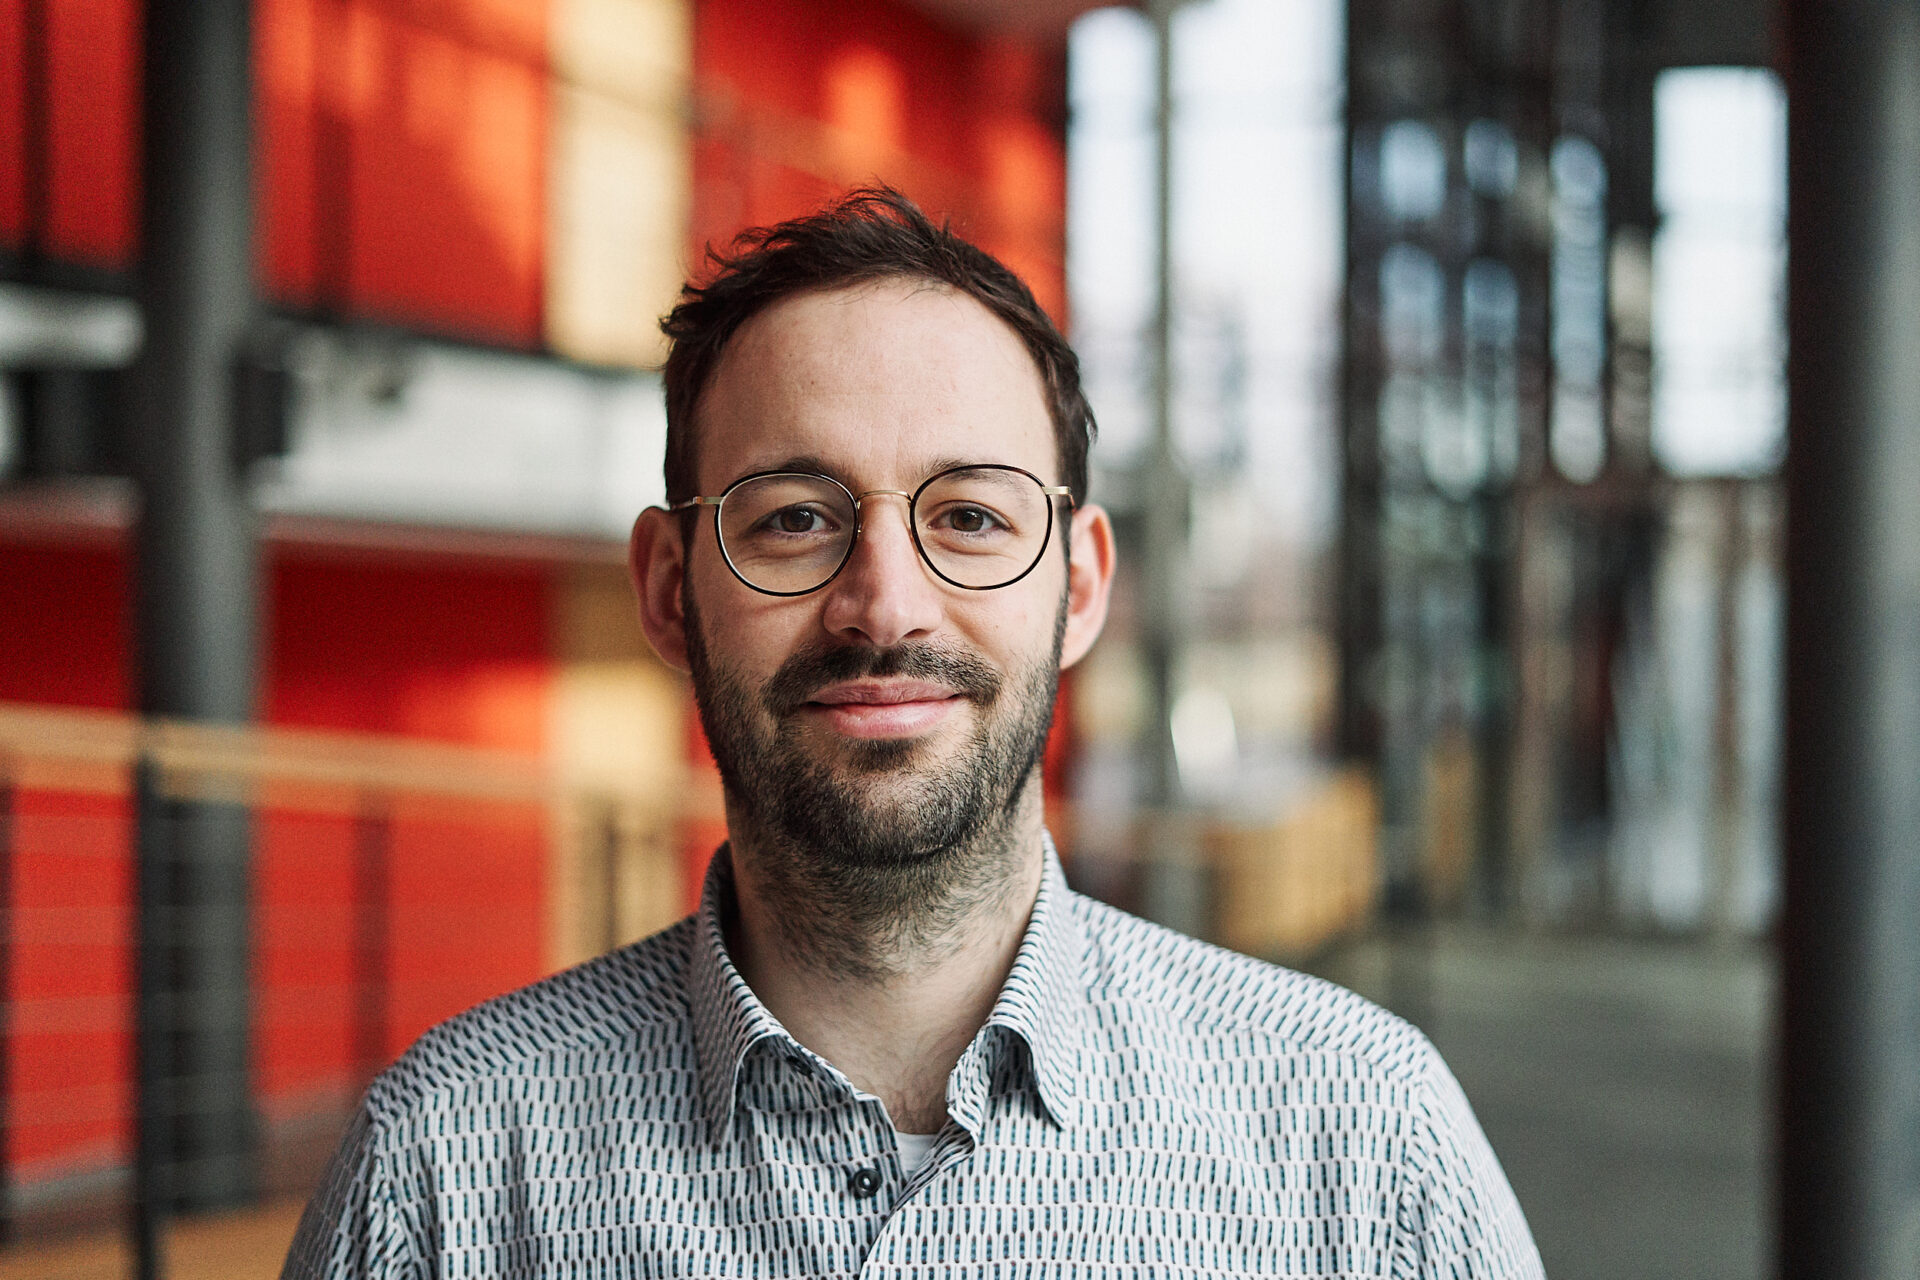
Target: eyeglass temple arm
(694, 502)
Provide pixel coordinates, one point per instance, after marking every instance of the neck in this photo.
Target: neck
(886, 972)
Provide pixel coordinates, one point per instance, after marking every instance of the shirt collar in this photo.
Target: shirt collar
(1045, 995)
(728, 1019)
(1041, 1004)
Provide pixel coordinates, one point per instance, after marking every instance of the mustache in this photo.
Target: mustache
(812, 669)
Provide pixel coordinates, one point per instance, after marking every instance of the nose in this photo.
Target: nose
(884, 594)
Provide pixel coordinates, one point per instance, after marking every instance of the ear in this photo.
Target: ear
(656, 558)
(1089, 582)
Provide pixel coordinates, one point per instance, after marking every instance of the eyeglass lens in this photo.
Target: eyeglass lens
(978, 527)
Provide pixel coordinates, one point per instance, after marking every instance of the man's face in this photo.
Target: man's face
(889, 713)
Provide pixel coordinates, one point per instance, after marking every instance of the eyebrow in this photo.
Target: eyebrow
(816, 465)
(798, 462)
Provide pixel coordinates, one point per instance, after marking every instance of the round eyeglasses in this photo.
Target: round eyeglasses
(787, 533)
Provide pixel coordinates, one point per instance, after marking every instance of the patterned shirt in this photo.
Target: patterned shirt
(1137, 1104)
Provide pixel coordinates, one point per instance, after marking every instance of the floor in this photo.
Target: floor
(1624, 1084)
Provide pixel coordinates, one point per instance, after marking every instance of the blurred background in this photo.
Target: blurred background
(1438, 349)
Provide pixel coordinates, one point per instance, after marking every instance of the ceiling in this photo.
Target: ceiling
(1047, 18)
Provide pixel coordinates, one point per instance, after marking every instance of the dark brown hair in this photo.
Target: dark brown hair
(870, 234)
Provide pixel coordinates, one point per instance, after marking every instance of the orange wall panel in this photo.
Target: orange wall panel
(445, 179)
(465, 917)
(447, 649)
(403, 144)
(86, 54)
(456, 651)
(783, 74)
(400, 151)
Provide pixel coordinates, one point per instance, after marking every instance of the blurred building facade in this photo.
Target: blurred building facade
(1479, 410)
(1563, 417)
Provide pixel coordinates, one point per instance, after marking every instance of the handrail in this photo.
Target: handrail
(195, 757)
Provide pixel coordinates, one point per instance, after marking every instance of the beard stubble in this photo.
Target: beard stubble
(883, 854)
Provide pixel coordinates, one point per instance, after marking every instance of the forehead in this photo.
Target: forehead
(881, 383)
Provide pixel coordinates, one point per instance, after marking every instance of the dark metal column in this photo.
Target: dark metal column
(1172, 892)
(195, 589)
(1357, 731)
(1849, 1137)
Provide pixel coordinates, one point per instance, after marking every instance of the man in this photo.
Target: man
(892, 1042)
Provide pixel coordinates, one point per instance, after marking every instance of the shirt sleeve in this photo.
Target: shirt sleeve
(347, 1232)
(1457, 1217)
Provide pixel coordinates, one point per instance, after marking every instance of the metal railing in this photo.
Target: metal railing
(213, 937)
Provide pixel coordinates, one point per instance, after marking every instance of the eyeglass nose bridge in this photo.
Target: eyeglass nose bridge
(860, 510)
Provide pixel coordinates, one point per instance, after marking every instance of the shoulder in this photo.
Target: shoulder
(1222, 1016)
(1139, 970)
(478, 1073)
(607, 1005)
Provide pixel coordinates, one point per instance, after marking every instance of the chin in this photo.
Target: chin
(884, 755)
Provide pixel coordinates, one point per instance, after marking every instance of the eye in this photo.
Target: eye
(970, 519)
(966, 517)
(796, 519)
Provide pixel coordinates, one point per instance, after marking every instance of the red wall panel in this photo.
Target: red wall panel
(306, 958)
(63, 626)
(980, 132)
(287, 66)
(445, 176)
(468, 890)
(13, 122)
(69, 1061)
(454, 651)
(464, 920)
(402, 144)
(93, 82)
(404, 160)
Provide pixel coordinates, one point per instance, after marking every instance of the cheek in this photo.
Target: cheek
(750, 633)
(1018, 626)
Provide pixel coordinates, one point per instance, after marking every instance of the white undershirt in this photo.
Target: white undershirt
(913, 1150)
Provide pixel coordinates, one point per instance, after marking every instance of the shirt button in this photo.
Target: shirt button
(864, 1182)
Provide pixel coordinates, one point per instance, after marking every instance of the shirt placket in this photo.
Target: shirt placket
(968, 1101)
(816, 1120)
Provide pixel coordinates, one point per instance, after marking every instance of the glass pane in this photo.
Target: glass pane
(786, 532)
(983, 525)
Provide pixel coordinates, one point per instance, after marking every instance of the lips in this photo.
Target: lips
(883, 708)
(881, 693)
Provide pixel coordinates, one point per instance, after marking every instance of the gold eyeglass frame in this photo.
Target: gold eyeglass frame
(1048, 491)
